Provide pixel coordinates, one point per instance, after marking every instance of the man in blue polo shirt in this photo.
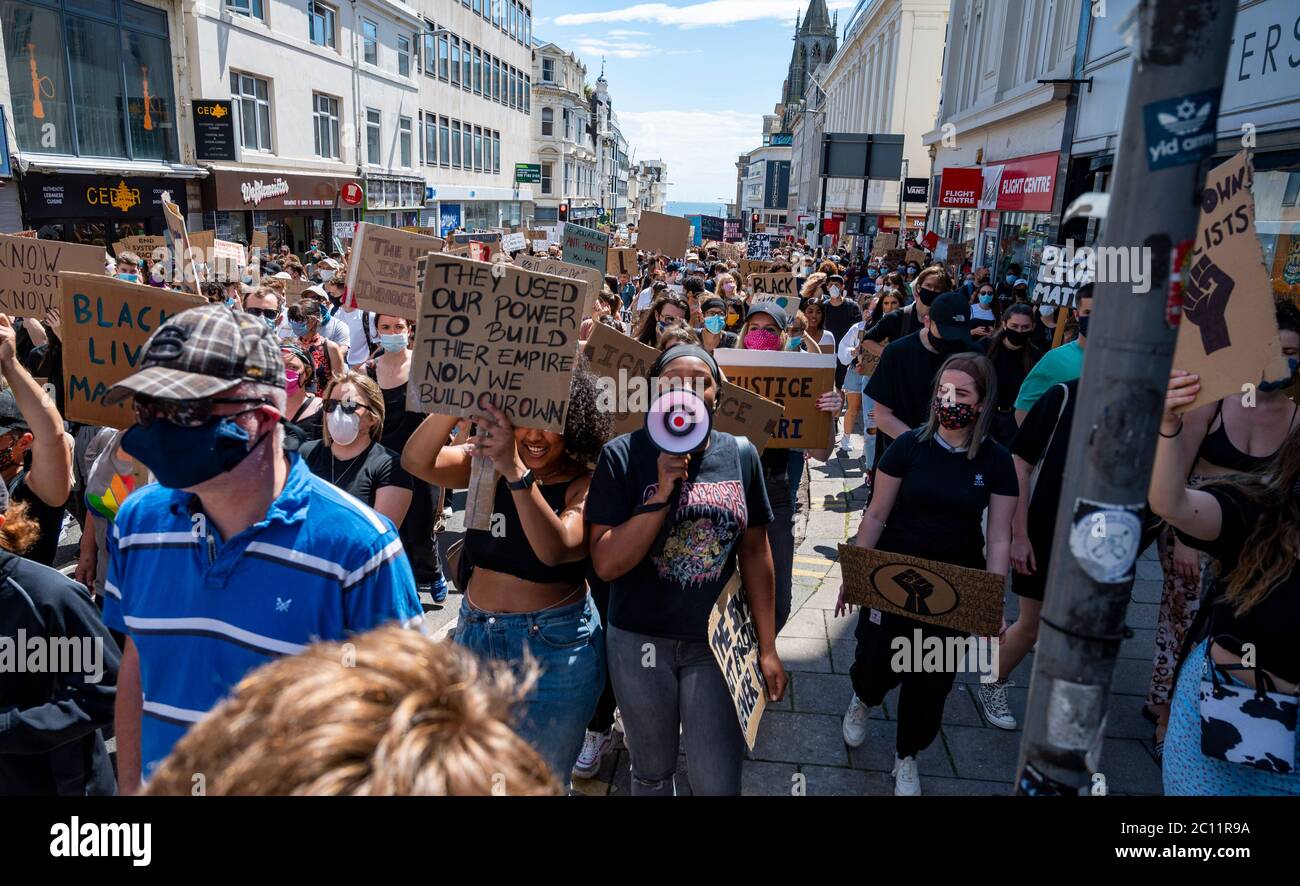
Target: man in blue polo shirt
(239, 554)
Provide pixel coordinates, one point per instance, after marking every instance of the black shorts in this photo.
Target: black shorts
(1031, 587)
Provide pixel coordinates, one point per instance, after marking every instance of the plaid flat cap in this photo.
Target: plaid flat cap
(201, 352)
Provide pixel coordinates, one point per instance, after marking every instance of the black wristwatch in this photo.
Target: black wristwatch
(523, 483)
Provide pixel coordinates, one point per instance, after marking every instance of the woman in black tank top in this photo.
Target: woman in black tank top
(527, 595)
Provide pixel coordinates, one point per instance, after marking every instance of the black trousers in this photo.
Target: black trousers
(923, 694)
(603, 718)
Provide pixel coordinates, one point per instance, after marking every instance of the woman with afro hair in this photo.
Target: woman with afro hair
(527, 593)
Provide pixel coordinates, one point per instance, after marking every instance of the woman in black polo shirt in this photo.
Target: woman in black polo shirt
(932, 487)
(667, 532)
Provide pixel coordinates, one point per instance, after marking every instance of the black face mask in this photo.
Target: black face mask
(948, 346)
(927, 296)
(1083, 326)
(1017, 337)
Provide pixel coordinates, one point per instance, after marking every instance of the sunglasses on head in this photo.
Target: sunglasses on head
(184, 413)
(348, 408)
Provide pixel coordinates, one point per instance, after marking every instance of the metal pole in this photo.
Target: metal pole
(1182, 53)
(821, 213)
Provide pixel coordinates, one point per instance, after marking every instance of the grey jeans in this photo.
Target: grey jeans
(662, 684)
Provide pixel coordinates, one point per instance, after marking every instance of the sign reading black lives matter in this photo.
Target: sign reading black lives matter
(495, 334)
(735, 647)
(927, 591)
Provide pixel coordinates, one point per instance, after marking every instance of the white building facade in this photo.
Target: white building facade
(563, 143)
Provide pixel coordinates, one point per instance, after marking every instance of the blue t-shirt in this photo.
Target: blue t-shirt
(203, 612)
(1057, 366)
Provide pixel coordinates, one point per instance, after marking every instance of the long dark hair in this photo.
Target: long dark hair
(1030, 353)
(648, 332)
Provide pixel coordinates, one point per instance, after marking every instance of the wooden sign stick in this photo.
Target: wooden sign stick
(481, 495)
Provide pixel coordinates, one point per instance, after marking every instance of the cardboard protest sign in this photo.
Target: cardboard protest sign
(1229, 331)
(793, 379)
(751, 266)
(513, 243)
(491, 238)
(583, 246)
(957, 255)
(787, 303)
(914, 255)
(666, 234)
(293, 290)
(594, 279)
(142, 245)
(895, 257)
(203, 241)
(621, 261)
(30, 271)
(773, 284)
(495, 334)
(621, 362)
(730, 251)
(735, 648)
(105, 324)
(183, 270)
(761, 245)
(927, 591)
(382, 273)
(228, 260)
(258, 241)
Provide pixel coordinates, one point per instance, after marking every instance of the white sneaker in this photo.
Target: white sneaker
(855, 723)
(846, 444)
(594, 746)
(618, 722)
(907, 781)
(992, 698)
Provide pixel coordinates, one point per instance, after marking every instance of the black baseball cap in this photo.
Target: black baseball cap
(201, 352)
(950, 313)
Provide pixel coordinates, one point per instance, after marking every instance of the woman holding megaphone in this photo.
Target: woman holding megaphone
(674, 510)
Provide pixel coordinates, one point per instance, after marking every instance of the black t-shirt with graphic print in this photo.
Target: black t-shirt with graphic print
(670, 592)
(941, 501)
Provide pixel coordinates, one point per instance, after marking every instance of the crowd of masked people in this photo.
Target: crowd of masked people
(253, 546)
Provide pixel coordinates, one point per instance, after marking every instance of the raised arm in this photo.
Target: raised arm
(50, 477)
(426, 454)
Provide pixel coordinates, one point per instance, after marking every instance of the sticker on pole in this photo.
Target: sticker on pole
(1180, 130)
(1104, 539)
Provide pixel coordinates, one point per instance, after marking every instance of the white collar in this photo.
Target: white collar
(946, 445)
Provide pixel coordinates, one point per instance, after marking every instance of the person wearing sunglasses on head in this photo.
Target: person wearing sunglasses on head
(217, 568)
(667, 308)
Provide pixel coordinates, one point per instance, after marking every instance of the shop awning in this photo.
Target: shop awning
(61, 164)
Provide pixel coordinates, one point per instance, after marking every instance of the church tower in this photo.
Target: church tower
(814, 43)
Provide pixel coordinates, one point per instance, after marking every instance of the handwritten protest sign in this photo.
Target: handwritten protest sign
(183, 271)
(751, 266)
(203, 241)
(30, 271)
(795, 380)
(914, 256)
(621, 261)
(666, 234)
(142, 245)
(258, 241)
(735, 648)
(894, 257)
(507, 337)
(583, 246)
(622, 362)
(927, 591)
(787, 303)
(105, 324)
(1229, 332)
(773, 284)
(593, 278)
(228, 260)
(382, 273)
(513, 243)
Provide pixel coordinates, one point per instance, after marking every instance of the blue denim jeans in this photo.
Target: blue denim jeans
(569, 644)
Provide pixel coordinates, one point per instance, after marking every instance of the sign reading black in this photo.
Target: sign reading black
(710, 227)
(97, 196)
(214, 130)
(916, 190)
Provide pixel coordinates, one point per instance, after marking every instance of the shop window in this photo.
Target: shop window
(370, 41)
(251, 98)
(320, 21)
(374, 153)
(325, 117)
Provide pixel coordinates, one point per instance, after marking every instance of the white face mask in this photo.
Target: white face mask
(343, 427)
(835, 292)
(326, 275)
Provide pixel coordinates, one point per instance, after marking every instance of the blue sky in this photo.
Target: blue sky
(691, 81)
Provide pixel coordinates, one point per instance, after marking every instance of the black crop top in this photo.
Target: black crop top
(1218, 449)
(507, 549)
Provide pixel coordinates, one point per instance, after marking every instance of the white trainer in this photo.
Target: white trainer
(855, 723)
(594, 746)
(992, 698)
(907, 781)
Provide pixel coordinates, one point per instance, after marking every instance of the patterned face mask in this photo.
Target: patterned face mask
(954, 416)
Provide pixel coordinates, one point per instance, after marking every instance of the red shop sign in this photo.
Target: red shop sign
(351, 194)
(959, 188)
(1027, 183)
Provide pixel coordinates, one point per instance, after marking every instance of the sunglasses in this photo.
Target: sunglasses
(184, 413)
(348, 408)
(265, 313)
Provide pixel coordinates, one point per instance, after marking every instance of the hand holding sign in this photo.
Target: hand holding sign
(1205, 301)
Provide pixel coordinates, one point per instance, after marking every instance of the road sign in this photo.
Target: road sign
(528, 173)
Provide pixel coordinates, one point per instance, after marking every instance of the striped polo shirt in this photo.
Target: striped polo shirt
(203, 612)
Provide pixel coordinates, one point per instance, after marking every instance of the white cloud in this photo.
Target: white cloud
(700, 147)
(593, 48)
(696, 15)
(618, 32)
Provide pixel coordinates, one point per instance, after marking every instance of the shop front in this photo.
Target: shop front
(394, 202)
(1016, 197)
(96, 209)
(448, 207)
(955, 215)
(291, 209)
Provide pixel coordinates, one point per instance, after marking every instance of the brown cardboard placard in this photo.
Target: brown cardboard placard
(480, 497)
(778, 284)
(735, 648)
(1228, 334)
(203, 241)
(293, 290)
(382, 272)
(594, 279)
(259, 240)
(142, 245)
(751, 266)
(183, 270)
(885, 241)
(105, 324)
(495, 334)
(30, 271)
(957, 255)
(619, 360)
(915, 255)
(787, 303)
(585, 247)
(793, 379)
(668, 235)
(621, 260)
(894, 257)
(228, 261)
(926, 591)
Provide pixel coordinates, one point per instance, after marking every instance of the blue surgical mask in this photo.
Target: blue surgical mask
(299, 329)
(134, 278)
(182, 458)
(872, 272)
(795, 342)
(394, 342)
(986, 300)
(1011, 278)
(714, 324)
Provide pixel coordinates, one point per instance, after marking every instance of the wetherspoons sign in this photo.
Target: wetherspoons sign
(256, 191)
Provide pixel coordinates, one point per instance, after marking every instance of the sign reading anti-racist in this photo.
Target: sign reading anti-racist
(382, 273)
(735, 648)
(105, 324)
(1228, 335)
(594, 279)
(927, 591)
(584, 246)
(773, 284)
(666, 234)
(621, 363)
(30, 271)
(621, 261)
(795, 380)
(495, 334)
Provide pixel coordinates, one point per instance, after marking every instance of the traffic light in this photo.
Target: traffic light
(564, 212)
(753, 221)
